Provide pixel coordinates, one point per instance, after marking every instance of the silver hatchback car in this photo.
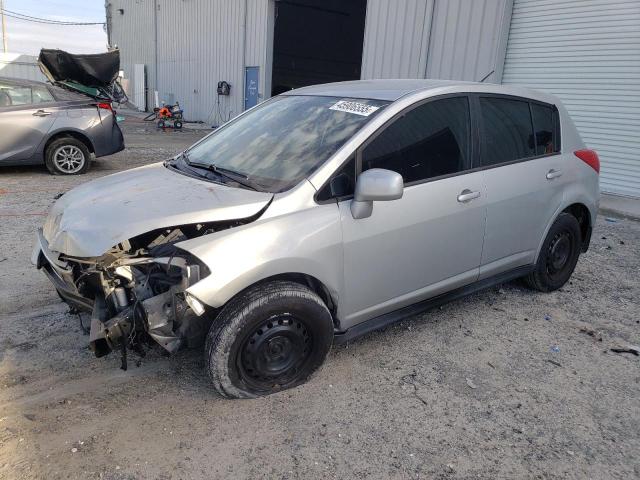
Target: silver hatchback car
(320, 215)
(43, 123)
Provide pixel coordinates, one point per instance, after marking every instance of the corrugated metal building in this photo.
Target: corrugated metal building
(585, 51)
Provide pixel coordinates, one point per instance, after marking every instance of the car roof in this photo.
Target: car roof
(394, 89)
(387, 89)
(21, 82)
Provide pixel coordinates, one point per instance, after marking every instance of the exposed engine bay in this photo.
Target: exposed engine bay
(136, 291)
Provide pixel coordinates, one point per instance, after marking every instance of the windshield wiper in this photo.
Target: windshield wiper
(223, 172)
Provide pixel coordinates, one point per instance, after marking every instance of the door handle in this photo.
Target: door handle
(467, 195)
(41, 113)
(551, 174)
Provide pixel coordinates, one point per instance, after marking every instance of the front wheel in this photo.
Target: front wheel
(269, 338)
(558, 256)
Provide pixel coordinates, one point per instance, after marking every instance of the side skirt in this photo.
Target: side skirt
(387, 319)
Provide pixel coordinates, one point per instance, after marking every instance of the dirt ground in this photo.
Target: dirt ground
(507, 383)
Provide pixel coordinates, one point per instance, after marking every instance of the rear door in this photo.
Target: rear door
(523, 174)
(27, 113)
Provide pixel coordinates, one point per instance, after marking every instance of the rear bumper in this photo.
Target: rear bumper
(112, 142)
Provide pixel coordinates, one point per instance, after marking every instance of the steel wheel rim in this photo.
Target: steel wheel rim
(69, 159)
(559, 253)
(275, 352)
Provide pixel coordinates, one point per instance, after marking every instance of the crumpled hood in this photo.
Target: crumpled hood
(90, 219)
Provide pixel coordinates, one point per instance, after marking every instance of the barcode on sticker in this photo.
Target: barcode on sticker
(354, 107)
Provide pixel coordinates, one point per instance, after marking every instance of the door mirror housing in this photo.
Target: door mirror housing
(377, 184)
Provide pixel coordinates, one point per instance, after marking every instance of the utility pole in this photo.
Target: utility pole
(4, 29)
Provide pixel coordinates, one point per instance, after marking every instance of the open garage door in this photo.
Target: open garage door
(317, 41)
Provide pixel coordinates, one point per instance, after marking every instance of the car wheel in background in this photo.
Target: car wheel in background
(67, 156)
(558, 256)
(177, 124)
(269, 338)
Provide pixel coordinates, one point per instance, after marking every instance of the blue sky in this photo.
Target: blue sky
(29, 37)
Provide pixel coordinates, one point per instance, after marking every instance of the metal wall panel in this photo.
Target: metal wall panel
(468, 39)
(450, 39)
(133, 32)
(199, 43)
(396, 38)
(16, 65)
(588, 53)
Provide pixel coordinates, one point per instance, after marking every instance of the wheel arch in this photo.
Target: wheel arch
(305, 279)
(69, 133)
(582, 213)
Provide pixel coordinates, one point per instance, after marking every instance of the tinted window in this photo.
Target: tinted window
(428, 141)
(507, 131)
(286, 138)
(545, 122)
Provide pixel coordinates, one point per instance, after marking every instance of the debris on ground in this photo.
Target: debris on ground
(547, 317)
(471, 384)
(553, 362)
(611, 220)
(592, 333)
(633, 349)
(555, 349)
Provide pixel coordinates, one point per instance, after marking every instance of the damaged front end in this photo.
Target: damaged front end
(136, 291)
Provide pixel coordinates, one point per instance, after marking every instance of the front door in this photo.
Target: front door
(429, 241)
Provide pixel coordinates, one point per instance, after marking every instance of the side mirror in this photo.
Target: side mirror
(376, 184)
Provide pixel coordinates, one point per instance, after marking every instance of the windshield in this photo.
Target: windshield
(285, 139)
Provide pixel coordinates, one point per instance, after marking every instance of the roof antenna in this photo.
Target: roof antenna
(487, 76)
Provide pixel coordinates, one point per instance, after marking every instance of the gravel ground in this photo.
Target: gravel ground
(507, 383)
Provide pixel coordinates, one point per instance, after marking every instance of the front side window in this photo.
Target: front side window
(507, 132)
(12, 95)
(285, 139)
(545, 122)
(428, 141)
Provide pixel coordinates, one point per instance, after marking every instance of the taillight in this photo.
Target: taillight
(590, 157)
(105, 106)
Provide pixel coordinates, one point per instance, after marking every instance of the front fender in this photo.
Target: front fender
(306, 242)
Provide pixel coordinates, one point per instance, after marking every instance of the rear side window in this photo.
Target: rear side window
(507, 131)
(41, 95)
(547, 128)
(429, 141)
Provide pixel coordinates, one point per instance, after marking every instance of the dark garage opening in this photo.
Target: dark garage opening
(317, 41)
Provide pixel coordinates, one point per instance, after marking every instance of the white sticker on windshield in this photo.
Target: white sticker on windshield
(354, 107)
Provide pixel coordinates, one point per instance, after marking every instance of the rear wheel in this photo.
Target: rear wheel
(67, 156)
(558, 256)
(177, 124)
(269, 338)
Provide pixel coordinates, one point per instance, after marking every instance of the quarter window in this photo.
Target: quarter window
(545, 122)
(428, 141)
(507, 131)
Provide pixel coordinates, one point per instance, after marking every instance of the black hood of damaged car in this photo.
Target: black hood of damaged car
(95, 70)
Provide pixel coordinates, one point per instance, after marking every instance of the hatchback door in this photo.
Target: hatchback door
(524, 178)
(26, 115)
(429, 241)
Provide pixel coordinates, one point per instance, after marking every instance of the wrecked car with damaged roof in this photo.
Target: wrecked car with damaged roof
(318, 216)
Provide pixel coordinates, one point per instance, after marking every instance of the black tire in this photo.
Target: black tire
(558, 256)
(177, 124)
(269, 338)
(76, 153)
